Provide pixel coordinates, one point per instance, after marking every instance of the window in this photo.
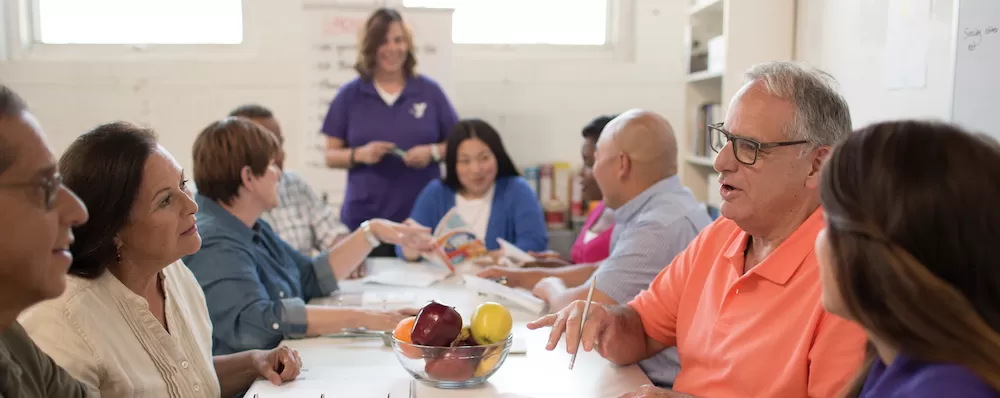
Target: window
(563, 22)
(139, 21)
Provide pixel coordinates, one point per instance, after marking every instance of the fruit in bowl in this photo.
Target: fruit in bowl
(491, 322)
(436, 325)
(452, 366)
(472, 354)
(402, 333)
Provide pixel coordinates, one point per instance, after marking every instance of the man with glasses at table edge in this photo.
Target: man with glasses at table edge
(38, 214)
(742, 302)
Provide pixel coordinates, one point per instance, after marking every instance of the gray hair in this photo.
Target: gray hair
(822, 116)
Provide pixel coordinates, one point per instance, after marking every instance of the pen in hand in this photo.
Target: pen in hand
(586, 312)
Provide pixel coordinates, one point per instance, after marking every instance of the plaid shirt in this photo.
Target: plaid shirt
(301, 218)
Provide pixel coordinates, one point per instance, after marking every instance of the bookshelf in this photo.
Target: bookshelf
(723, 39)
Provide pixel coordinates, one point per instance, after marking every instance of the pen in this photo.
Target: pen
(586, 311)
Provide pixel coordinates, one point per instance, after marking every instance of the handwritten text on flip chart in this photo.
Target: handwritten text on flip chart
(973, 37)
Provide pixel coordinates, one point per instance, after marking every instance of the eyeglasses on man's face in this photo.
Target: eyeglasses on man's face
(745, 149)
(49, 187)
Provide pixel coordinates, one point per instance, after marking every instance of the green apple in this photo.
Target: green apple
(491, 323)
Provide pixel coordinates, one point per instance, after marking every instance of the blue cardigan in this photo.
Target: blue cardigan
(515, 215)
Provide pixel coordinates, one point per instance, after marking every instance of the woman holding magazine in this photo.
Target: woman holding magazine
(481, 193)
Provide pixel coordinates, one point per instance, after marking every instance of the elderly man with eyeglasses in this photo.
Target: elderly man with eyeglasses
(742, 302)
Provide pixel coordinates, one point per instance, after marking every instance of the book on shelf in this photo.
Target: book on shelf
(707, 114)
(558, 192)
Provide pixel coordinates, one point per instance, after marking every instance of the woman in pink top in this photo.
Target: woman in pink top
(594, 242)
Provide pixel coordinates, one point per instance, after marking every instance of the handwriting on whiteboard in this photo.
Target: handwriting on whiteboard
(973, 37)
(341, 25)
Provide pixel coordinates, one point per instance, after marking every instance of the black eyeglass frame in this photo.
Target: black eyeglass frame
(756, 145)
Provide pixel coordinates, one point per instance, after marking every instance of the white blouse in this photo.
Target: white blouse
(106, 337)
(476, 212)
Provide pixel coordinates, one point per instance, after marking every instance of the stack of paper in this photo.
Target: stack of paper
(520, 297)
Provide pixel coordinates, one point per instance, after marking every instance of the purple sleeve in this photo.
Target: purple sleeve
(947, 381)
(447, 118)
(335, 123)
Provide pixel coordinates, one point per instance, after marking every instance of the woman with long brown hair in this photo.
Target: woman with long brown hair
(908, 253)
(387, 127)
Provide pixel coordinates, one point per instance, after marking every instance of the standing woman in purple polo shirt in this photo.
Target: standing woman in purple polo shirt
(909, 254)
(388, 106)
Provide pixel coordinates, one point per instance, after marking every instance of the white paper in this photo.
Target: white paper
(409, 275)
(383, 299)
(359, 382)
(907, 37)
(520, 297)
(515, 253)
(518, 346)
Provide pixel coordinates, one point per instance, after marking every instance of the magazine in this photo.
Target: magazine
(457, 242)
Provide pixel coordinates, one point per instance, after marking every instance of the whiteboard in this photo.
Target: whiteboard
(976, 97)
(331, 48)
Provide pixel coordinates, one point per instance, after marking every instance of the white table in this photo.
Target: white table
(360, 368)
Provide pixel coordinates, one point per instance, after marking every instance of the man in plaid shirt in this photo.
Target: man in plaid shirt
(302, 219)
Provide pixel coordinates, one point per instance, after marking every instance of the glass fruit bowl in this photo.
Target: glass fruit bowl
(452, 367)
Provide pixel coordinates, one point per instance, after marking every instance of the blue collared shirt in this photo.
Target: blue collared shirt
(650, 230)
(255, 284)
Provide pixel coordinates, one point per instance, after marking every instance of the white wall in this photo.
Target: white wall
(847, 37)
(538, 100)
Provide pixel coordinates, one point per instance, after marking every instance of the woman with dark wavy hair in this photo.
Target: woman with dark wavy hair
(133, 321)
(908, 254)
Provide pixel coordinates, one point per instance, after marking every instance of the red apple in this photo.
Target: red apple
(452, 366)
(437, 325)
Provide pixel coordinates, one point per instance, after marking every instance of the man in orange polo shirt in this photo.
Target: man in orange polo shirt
(742, 302)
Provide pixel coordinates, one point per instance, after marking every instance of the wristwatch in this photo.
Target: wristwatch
(366, 228)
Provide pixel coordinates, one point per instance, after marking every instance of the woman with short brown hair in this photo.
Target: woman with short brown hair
(256, 284)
